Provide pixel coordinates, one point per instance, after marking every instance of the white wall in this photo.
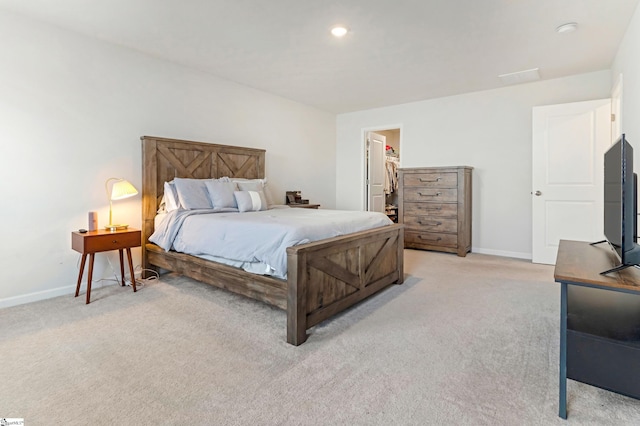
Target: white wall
(627, 63)
(489, 130)
(72, 110)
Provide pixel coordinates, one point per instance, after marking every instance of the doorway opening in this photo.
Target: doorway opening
(382, 159)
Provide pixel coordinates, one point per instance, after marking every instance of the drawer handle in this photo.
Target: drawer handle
(429, 239)
(437, 194)
(430, 180)
(431, 208)
(115, 241)
(429, 223)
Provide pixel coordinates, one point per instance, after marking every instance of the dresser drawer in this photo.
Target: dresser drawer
(431, 224)
(431, 180)
(431, 209)
(431, 194)
(113, 241)
(433, 239)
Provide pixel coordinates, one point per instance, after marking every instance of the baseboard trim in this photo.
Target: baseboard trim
(514, 254)
(36, 296)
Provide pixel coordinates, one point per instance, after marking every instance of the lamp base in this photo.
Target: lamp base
(115, 227)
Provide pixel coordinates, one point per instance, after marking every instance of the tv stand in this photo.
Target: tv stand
(599, 321)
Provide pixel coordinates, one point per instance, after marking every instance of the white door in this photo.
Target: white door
(376, 145)
(616, 110)
(569, 142)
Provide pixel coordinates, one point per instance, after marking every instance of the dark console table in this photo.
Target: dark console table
(599, 320)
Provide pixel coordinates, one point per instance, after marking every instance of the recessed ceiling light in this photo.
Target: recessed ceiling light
(339, 31)
(567, 28)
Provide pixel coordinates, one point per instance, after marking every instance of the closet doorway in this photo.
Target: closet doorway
(382, 159)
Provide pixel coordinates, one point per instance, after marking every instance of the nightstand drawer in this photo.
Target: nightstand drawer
(97, 241)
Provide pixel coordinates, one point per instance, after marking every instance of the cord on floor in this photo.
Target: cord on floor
(144, 281)
(140, 282)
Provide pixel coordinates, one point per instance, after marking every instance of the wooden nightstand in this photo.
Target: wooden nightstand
(304, 206)
(92, 242)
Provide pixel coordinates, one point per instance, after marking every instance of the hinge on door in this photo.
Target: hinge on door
(368, 142)
(613, 118)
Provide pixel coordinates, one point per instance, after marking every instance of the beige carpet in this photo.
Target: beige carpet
(465, 341)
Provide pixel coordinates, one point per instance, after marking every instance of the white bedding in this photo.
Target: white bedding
(256, 241)
(253, 267)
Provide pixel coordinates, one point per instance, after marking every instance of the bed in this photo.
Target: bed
(323, 277)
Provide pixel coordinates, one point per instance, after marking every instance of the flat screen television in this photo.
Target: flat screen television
(620, 204)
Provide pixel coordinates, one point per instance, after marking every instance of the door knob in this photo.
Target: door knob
(538, 193)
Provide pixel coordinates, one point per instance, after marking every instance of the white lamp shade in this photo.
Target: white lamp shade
(122, 189)
(119, 190)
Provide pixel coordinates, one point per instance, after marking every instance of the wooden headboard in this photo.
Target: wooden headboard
(164, 159)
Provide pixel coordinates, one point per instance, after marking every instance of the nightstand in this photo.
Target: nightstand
(92, 242)
(304, 206)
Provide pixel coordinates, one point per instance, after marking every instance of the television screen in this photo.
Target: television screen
(613, 185)
(620, 203)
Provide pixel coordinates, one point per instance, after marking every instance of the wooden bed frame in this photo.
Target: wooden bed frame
(323, 277)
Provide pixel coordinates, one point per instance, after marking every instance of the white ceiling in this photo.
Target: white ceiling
(397, 51)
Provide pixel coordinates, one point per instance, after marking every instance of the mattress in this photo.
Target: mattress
(256, 241)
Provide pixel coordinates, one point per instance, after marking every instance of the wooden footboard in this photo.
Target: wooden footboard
(328, 276)
(324, 277)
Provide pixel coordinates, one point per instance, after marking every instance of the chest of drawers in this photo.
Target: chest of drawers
(435, 206)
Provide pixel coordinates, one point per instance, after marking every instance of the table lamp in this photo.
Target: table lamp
(119, 190)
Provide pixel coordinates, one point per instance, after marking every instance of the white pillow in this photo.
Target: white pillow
(221, 193)
(192, 193)
(170, 197)
(162, 208)
(254, 185)
(250, 201)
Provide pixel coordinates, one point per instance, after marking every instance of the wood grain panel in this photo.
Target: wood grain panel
(574, 255)
(431, 224)
(431, 209)
(432, 195)
(266, 289)
(432, 180)
(431, 239)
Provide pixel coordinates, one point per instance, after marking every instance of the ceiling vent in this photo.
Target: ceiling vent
(520, 76)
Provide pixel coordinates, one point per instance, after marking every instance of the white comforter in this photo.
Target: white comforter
(257, 237)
